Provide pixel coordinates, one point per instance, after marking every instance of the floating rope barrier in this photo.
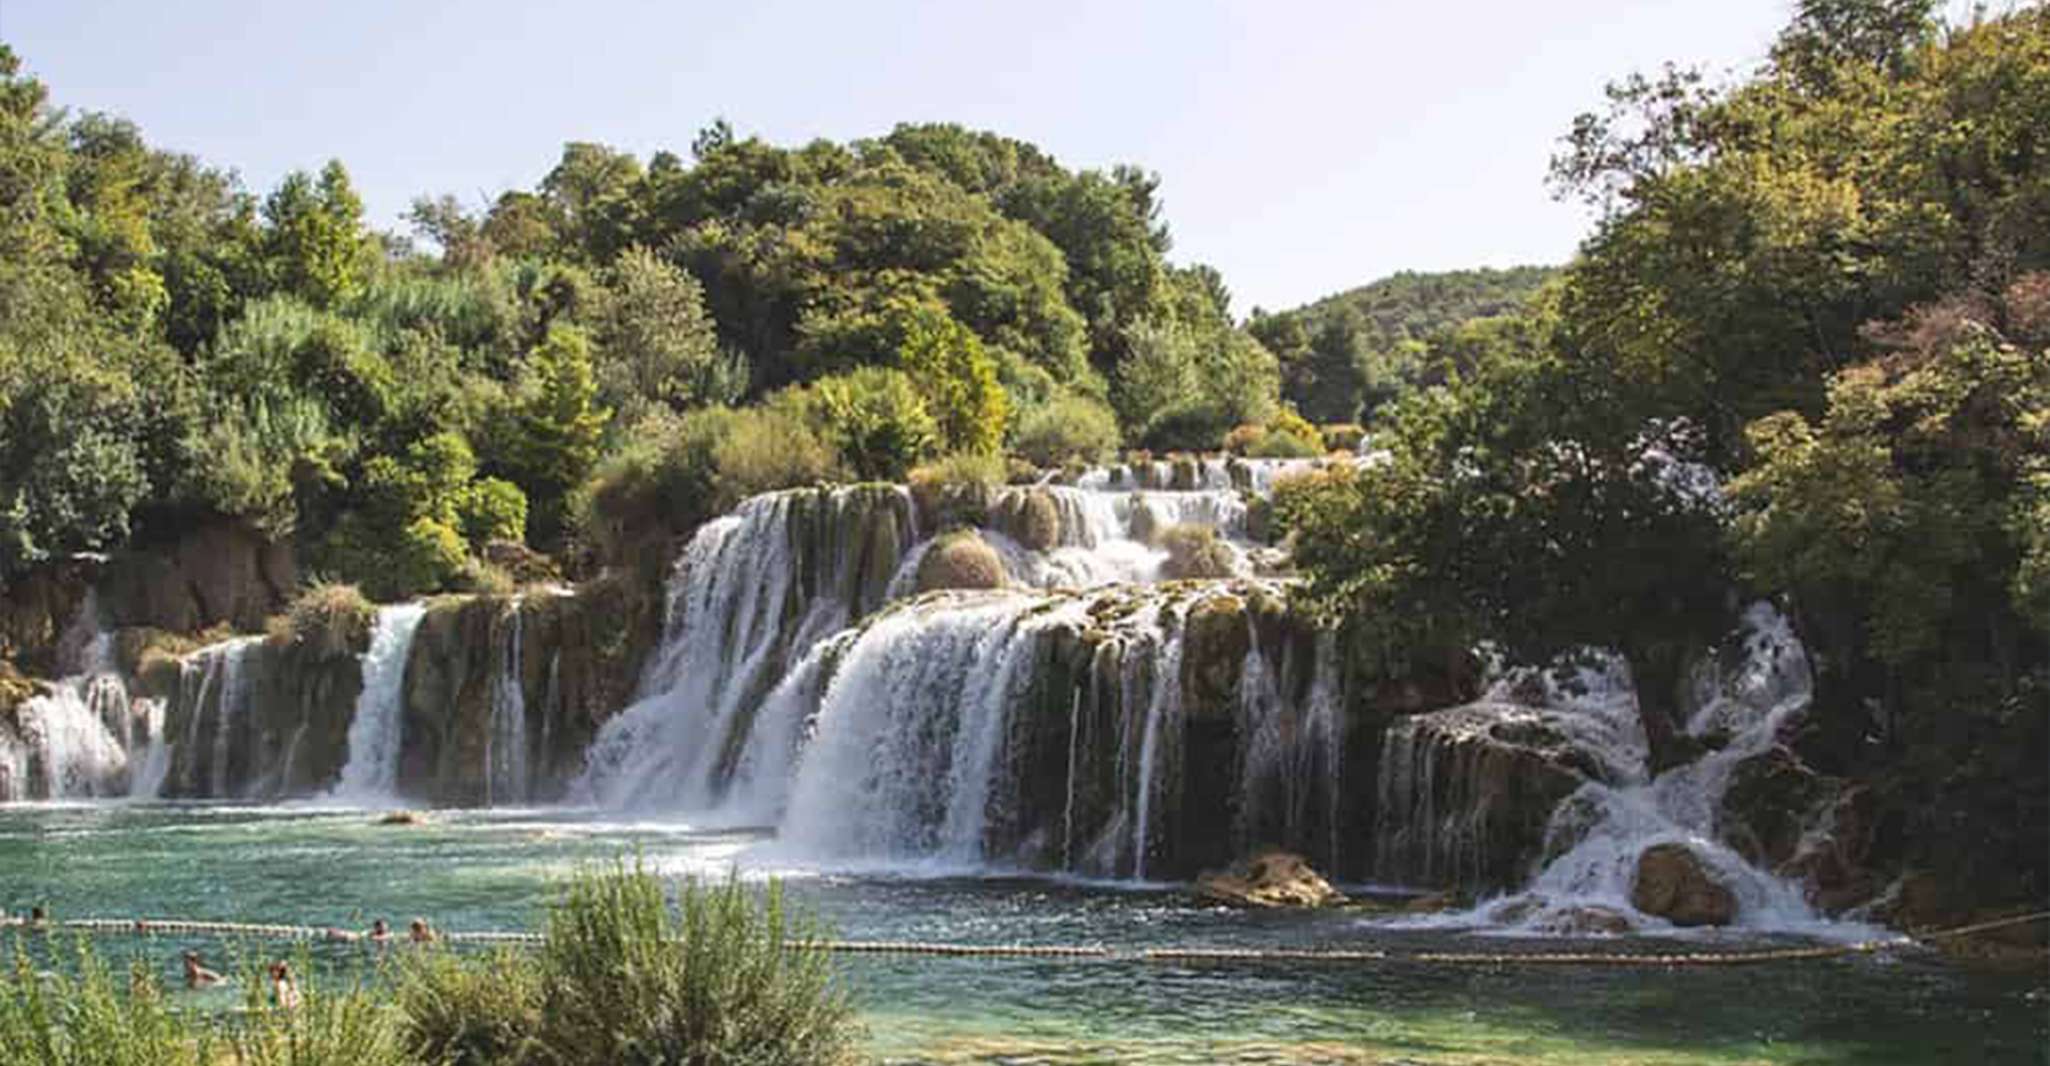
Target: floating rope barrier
(174, 926)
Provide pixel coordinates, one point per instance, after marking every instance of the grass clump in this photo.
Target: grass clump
(329, 618)
(628, 975)
(89, 1019)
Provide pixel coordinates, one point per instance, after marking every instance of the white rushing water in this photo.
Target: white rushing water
(505, 752)
(1599, 832)
(753, 592)
(85, 737)
(376, 731)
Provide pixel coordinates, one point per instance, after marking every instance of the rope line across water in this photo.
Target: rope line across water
(155, 926)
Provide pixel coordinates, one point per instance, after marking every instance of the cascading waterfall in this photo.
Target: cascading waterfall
(752, 593)
(80, 738)
(506, 753)
(231, 714)
(1597, 834)
(376, 731)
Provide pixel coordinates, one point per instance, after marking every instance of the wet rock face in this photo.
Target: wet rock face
(960, 560)
(1467, 795)
(1673, 883)
(1269, 879)
(1772, 799)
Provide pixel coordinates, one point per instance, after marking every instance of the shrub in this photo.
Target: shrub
(660, 485)
(876, 419)
(1284, 444)
(1193, 427)
(347, 1025)
(1194, 551)
(491, 509)
(722, 976)
(765, 449)
(1343, 436)
(329, 618)
(483, 1012)
(89, 1020)
(1069, 429)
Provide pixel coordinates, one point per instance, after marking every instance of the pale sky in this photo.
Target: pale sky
(1303, 147)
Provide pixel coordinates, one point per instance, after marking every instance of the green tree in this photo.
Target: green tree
(560, 427)
(314, 243)
(959, 381)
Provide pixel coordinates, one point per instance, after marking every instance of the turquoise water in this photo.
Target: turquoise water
(493, 870)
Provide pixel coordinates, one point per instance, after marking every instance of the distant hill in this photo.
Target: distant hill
(1352, 348)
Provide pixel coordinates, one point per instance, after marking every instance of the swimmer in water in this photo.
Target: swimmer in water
(198, 976)
(284, 992)
(380, 931)
(421, 932)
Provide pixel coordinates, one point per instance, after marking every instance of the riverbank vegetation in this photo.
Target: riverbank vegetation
(631, 970)
(1804, 355)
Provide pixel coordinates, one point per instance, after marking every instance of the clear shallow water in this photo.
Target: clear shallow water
(493, 870)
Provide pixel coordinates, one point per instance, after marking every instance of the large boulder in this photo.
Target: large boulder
(1673, 883)
(1269, 879)
(960, 560)
(1215, 638)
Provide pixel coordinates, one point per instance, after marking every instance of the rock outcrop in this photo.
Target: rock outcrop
(1269, 879)
(1673, 883)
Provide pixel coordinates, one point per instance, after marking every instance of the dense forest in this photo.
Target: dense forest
(629, 344)
(1804, 355)
(1358, 349)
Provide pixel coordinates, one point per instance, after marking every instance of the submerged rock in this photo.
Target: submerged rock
(961, 560)
(1673, 883)
(1269, 879)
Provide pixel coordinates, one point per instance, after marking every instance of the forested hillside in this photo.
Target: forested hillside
(630, 343)
(1826, 287)
(1356, 350)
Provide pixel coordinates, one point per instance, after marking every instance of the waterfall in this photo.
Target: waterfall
(1163, 710)
(506, 756)
(909, 729)
(376, 731)
(752, 593)
(1595, 836)
(232, 712)
(79, 738)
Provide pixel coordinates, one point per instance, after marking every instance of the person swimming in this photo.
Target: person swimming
(284, 992)
(380, 931)
(198, 976)
(421, 932)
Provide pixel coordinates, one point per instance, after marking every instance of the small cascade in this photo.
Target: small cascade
(753, 592)
(1596, 836)
(506, 753)
(376, 731)
(231, 713)
(1159, 750)
(84, 737)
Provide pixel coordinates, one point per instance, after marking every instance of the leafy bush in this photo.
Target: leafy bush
(660, 485)
(768, 448)
(947, 362)
(470, 1012)
(877, 420)
(1343, 436)
(1283, 444)
(491, 509)
(1068, 429)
